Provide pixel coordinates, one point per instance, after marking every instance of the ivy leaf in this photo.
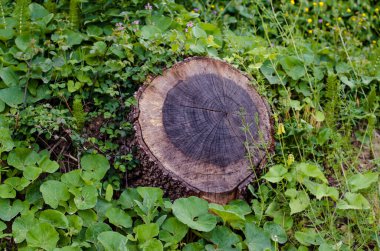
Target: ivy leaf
(118, 217)
(20, 158)
(353, 201)
(54, 192)
(32, 172)
(275, 173)
(173, 231)
(299, 200)
(7, 191)
(193, 212)
(17, 183)
(145, 232)
(277, 233)
(362, 181)
(310, 170)
(42, 235)
(8, 212)
(87, 198)
(113, 241)
(94, 166)
(256, 238)
(293, 67)
(55, 218)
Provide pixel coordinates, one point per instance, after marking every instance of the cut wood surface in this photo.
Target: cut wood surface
(197, 121)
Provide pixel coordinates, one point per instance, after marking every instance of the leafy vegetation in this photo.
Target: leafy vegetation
(68, 73)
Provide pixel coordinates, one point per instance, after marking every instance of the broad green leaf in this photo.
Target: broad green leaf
(150, 32)
(193, 212)
(353, 201)
(22, 157)
(48, 166)
(319, 116)
(109, 193)
(118, 217)
(145, 232)
(32, 172)
(87, 198)
(310, 170)
(12, 96)
(128, 197)
(256, 238)
(24, 41)
(321, 190)
(69, 248)
(173, 231)
(55, 218)
(8, 211)
(37, 11)
(268, 70)
(195, 246)
(199, 32)
(89, 217)
(72, 37)
(94, 166)
(54, 192)
(72, 178)
(227, 213)
(293, 67)
(73, 86)
(2, 107)
(362, 181)
(151, 245)
(309, 237)
(275, 173)
(94, 230)
(113, 241)
(42, 235)
(6, 34)
(22, 225)
(162, 22)
(17, 183)
(6, 142)
(223, 238)
(75, 223)
(3, 226)
(299, 200)
(9, 76)
(7, 191)
(277, 233)
(94, 30)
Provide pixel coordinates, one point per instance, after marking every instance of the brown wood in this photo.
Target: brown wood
(189, 125)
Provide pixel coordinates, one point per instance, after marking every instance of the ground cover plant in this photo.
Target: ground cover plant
(68, 73)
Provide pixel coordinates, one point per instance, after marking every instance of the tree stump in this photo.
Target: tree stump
(197, 122)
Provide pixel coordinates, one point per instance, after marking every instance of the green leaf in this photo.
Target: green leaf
(310, 170)
(94, 31)
(8, 212)
(87, 198)
(151, 245)
(145, 232)
(299, 200)
(37, 11)
(12, 96)
(109, 193)
(32, 172)
(162, 22)
(48, 166)
(277, 233)
(24, 41)
(72, 178)
(9, 76)
(42, 235)
(113, 241)
(275, 173)
(54, 192)
(2, 107)
(73, 86)
(193, 212)
(199, 32)
(128, 197)
(7, 191)
(17, 183)
(55, 218)
(22, 157)
(89, 217)
(353, 201)
(173, 231)
(321, 190)
(6, 142)
(94, 166)
(256, 238)
(150, 32)
(72, 37)
(293, 67)
(308, 237)
(319, 116)
(223, 238)
(6, 34)
(118, 217)
(227, 213)
(94, 230)
(22, 225)
(362, 181)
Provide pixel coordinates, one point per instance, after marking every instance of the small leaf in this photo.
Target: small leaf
(6, 142)
(293, 67)
(362, 181)
(9, 76)
(94, 166)
(87, 198)
(54, 192)
(12, 96)
(113, 241)
(109, 192)
(275, 173)
(150, 32)
(223, 238)
(353, 201)
(227, 213)
(173, 231)
(319, 116)
(22, 225)
(49, 166)
(7, 191)
(118, 217)
(145, 232)
(37, 11)
(321, 190)
(24, 41)
(55, 218)
(193, 212)
(8, 212)
(199, 32)
(94, 230)
(42, 235)
(308, 237)
(256, 238)
(299, 200)
(277, 233)
(22, 157)
(6, 34)
(310, 170)
(32, 172)
(151, 245)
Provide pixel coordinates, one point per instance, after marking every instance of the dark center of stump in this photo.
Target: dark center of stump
(204, 117)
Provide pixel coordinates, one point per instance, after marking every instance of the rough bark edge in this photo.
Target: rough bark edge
(152, 173)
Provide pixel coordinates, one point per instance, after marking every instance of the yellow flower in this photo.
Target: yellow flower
(309, 20)
(314, 4)
(221, 9)
(280, 129)
(363, 14)
(353, 18)
(374, 42)
(321, 4)
(290, 159)
(348, 10)
(306, 9)
(292, 2)
(339, 19)
(377, 10)
(212, 6)
(327, 24)
(310, 31)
